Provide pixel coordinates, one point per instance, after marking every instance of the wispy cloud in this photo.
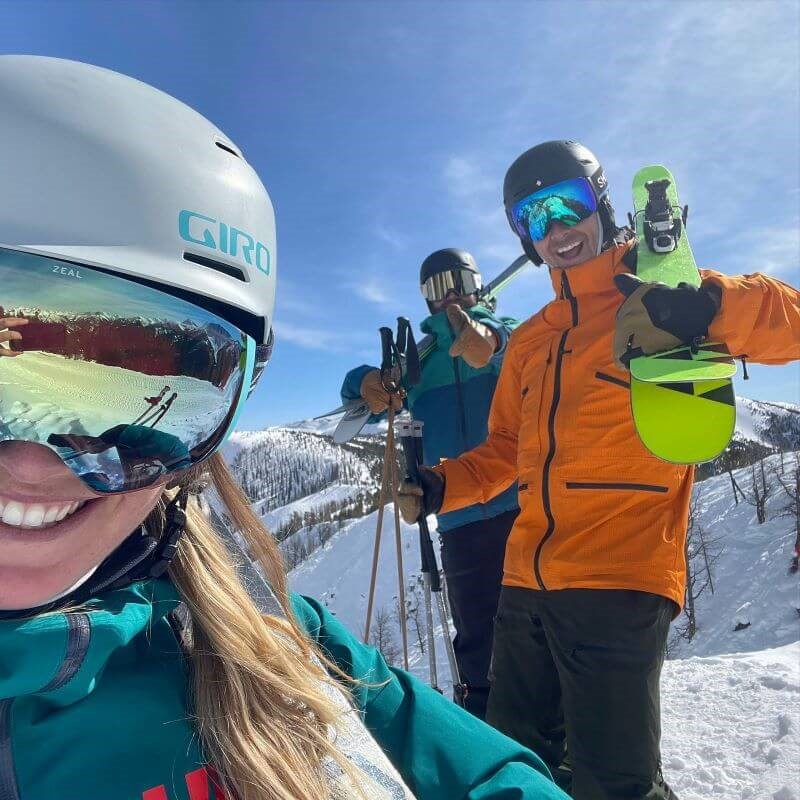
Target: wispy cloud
(474, 191)
(391, 237)
(310, 337)
(466, 178)
(717, 126)
(771, 249)
(374, 290)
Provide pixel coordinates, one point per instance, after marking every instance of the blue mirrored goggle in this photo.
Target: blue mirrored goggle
(124, 382)
(568, 202)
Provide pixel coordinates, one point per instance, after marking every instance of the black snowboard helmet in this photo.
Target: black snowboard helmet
(451, 259)
(550, 163)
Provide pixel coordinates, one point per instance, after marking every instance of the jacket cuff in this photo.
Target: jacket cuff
(351, 387)
(456, 479)
(736, 309)
(502, 334)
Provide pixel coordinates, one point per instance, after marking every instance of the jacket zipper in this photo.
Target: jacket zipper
(602, 376)
(78, 636)
(462, 414)
(566, 294)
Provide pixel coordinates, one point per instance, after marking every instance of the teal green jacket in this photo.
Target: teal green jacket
(453, 401)
(93, 707)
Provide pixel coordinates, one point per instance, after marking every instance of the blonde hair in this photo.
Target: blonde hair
(257, 692)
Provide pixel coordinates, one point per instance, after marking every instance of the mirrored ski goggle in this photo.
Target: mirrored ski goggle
(461, 281)
(124, 382)
(568, 202)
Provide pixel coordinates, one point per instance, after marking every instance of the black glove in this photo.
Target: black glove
(426, 497)
(656, 317)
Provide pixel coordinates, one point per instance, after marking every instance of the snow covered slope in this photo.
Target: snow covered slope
(751, 580)
(338, 575)
(279, 466)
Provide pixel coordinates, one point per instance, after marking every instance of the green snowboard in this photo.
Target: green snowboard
(683, 401)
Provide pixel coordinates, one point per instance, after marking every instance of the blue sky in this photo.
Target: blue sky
(383, 130)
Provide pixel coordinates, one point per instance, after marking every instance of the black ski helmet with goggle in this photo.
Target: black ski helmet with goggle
(448, 270)
(550, 163)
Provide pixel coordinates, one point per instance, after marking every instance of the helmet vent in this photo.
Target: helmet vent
(219, 266)
(227, 148)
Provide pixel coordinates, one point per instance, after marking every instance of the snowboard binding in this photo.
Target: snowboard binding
(662, 228)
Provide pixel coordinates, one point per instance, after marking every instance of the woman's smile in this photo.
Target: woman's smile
(34, 515)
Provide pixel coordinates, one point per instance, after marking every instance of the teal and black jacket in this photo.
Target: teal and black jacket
(453, 400)
(93, 706)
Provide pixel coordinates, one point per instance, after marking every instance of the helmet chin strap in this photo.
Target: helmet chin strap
(142, 556)
(600, 236)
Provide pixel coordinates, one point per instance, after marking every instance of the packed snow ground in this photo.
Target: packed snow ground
(731, 725)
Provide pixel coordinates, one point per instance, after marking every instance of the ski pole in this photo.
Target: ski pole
(406, 437)
(391, 377)
(376, 549)
(411, 436)
(152, 403)
(154, 415)
(398, 537)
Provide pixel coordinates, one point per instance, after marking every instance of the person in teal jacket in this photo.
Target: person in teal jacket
(149, 646)
(453, 399)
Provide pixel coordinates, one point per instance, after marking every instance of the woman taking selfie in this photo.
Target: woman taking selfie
(137, 280)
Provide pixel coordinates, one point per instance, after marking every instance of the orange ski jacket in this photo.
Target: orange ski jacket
(598, 511)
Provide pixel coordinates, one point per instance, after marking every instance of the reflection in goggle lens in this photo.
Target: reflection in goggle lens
(569, 202)
(461, 281)
(124, 382)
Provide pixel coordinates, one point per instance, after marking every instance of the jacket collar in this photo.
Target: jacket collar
(595, 275)
(66, 652)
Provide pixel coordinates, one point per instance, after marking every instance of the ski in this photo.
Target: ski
(682, 400)
(356, 412)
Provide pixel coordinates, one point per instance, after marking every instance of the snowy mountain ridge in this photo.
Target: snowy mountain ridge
(306, 451)
(773, 424)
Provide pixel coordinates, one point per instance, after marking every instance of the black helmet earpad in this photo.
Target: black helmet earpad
(530, 251)
(606, 212)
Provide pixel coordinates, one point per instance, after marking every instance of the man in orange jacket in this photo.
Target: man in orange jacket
(595, 565)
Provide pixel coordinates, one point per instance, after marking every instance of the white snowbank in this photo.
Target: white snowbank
(731, 725)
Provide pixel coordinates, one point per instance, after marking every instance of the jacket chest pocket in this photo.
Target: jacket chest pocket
(533, 406)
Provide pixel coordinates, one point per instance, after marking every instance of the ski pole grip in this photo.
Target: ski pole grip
(387, 349)
(410, 453)
(408, 348)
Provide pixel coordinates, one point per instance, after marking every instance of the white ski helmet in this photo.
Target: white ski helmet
(101, 169)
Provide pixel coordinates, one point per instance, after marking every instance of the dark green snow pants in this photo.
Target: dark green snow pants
(575, 677)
